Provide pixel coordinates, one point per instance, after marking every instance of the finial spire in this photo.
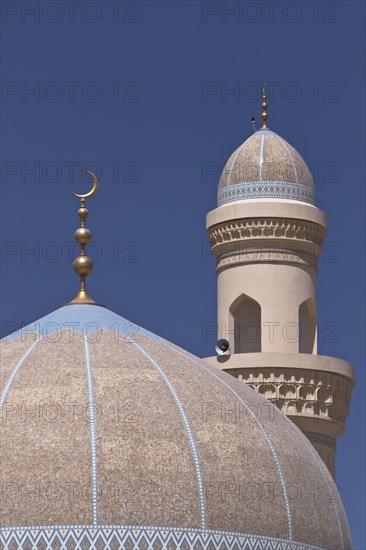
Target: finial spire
(83, 265)
(264, 114)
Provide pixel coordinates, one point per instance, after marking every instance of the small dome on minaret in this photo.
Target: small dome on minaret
(265, 166)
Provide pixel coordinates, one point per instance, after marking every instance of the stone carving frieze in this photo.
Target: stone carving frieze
(266, 228)
(299, 392)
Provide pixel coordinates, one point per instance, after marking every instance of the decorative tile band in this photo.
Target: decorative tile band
(265, 190)
(85, 537)
(266, 255)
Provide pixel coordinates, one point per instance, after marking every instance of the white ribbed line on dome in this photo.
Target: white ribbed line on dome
(282, 141)
(261, 158)
(188, 429)
(15, 371)
(262, 430)
(234, 159)
(93, 441)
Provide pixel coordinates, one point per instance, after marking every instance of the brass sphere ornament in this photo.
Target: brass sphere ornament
(83, 213)
(82, 235)
(83, 265)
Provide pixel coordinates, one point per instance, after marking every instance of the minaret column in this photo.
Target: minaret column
(266, 235)
(266, 257)
(279, 298)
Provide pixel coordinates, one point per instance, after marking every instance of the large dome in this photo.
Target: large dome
(112, 437)
(265, 166)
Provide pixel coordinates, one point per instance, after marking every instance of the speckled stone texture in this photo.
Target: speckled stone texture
(107, 428)
(265, 166)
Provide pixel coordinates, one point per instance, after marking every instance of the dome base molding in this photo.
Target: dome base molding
(136, 537)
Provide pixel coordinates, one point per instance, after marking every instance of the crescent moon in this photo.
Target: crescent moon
(93, 189)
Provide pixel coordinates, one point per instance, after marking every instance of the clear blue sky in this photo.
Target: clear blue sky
(158, 95)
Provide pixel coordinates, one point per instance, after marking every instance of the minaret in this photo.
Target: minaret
(266, 234)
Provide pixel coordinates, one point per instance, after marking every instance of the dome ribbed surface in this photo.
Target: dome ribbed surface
(265, 166)
(112, 437)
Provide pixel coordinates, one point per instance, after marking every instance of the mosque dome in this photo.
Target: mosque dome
(265, 166)
(112, 437)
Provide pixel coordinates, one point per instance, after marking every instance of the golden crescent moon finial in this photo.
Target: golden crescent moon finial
(83, 265)
(93, 189)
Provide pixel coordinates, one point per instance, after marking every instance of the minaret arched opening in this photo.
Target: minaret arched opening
(247, 325)
(307, 327)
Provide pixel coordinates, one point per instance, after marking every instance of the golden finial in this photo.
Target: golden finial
(83, 265)
(264, 114)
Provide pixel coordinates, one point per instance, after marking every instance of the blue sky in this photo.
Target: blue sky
(154, 97)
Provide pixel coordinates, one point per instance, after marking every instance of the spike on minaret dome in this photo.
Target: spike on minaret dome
(264, 115)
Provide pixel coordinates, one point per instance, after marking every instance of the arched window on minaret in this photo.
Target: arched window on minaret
(307, 327)
(247, 318)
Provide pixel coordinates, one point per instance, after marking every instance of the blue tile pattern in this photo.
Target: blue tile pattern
(84, 319)
(266, 189)
(84, 537)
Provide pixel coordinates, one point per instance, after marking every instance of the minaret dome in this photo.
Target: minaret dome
(265, 166)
